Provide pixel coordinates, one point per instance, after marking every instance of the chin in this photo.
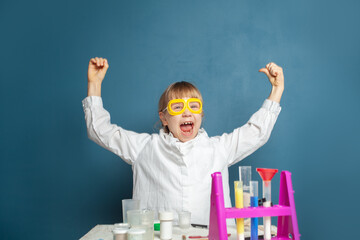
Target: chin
(187, 136)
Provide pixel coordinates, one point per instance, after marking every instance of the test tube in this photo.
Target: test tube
(266, 175)
(267, 203)
(239, 204)
(254, 197)
(245, 177)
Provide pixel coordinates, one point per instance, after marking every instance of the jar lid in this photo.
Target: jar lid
(166, 216)
(136, 231)
(120, 230)
(122, 225)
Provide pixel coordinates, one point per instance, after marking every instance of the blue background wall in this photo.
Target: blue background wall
(57, 184)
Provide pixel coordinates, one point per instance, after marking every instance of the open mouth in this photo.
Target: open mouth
(187, 127)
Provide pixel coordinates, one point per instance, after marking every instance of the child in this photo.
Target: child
(172, 170)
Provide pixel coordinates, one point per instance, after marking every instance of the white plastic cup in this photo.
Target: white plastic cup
(147, 221)
(184, 219)
(129, 204)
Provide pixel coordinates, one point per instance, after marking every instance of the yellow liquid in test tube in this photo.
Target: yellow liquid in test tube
(239, 203)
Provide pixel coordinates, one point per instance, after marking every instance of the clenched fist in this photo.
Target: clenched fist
(276, 78)
(96, 74)
(274, 73)
(97, 70)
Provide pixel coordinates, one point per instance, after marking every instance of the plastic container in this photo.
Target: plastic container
(120, 233)
(184, 219)
(134, 218)
(129, 204)
(147, 217)
(166, 224)
(136, 234)
(142, 219)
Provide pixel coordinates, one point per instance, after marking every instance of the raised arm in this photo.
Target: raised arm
(96, 74)
(255, 133)
(124, 143)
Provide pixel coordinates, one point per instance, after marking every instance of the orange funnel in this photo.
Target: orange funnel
(266, 173)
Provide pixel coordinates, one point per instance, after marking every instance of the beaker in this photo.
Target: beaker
(184, 219)
(129, 204)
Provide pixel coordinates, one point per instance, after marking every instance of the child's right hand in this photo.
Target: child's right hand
(97, 70)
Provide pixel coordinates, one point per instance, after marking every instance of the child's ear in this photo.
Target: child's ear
(163, 119)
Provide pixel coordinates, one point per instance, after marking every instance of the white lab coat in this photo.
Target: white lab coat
(176, 176)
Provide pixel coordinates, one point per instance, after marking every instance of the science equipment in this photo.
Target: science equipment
(122, 225)
(239, 203)
(166, 222)
(184, 219)
(197, 237)
(178, 106)
(156, 226)
(267, 174)
(245, 177)
(120, 233)
(254, 203)
(136, 234)
(129, 204)
(287, 227)
(134, 218)
(143, 219)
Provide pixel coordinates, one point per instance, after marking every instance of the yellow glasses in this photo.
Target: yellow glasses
(178, 106)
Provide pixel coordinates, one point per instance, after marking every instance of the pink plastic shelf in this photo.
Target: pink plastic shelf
(252, 212)
(285, 210)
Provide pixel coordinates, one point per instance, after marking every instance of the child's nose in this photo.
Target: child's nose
(186, 112)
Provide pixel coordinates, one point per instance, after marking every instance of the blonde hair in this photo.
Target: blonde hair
(178, 90)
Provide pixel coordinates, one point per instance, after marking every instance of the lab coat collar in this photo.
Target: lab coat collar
(183, 147)
(177, 145)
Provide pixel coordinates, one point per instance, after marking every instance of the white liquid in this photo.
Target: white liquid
(246, 196)
(240, 236)
(267, 223)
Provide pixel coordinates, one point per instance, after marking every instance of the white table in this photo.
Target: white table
(104, 232)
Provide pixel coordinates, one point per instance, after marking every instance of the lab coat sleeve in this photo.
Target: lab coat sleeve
(246, 139)
(126, 144)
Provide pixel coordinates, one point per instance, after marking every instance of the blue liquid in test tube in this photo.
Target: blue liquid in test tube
(254, 203)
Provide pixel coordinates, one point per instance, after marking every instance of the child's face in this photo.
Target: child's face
(184, 126)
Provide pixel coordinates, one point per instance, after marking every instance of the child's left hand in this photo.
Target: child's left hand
(275, 74)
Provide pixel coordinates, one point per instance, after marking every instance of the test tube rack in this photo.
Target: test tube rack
(287, 225)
